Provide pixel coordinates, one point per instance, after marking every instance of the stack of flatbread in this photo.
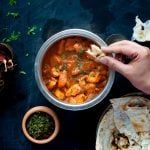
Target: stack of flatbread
(126, 126)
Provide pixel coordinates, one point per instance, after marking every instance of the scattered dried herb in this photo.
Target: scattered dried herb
(83, 72)
(22, 72)
(15, 35)
(79, 64)
(27, 54)
(13, 14)
(63, 56)
(12, 2)
(40, 125)
(81, 52)
(92, 75)
(64, 67)
(32, 30)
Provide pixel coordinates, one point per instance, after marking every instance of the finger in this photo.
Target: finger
(123, 42)
(124, 49)
(114, 64)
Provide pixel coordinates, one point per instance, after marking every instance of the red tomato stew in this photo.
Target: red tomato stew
(70, 74)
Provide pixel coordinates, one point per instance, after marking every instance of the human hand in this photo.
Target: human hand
(137, 71)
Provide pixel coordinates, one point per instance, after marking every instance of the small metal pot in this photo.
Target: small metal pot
(38, 73)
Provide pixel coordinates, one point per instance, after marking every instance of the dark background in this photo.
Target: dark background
(103, 17)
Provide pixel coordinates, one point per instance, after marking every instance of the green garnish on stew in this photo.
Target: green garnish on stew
(40, 125)
(81, 51)
(79, 64)
(92, 75)
(83, 72)
(64, 67)
(63, 56)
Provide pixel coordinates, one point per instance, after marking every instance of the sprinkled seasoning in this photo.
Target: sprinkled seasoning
(40, 125)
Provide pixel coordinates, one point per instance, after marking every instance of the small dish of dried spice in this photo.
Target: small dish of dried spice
(40, 125)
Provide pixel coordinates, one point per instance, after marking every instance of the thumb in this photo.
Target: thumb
(114, 64)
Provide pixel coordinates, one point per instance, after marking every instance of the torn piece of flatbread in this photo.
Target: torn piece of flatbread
(131, 116)
(122, 121)
(141, 31)
(137, 110)
(95, 52)
(105, 132)
(139, 118)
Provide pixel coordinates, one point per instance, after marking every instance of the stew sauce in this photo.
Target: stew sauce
(70, 74)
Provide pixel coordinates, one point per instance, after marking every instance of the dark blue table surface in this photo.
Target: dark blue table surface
(103, 17)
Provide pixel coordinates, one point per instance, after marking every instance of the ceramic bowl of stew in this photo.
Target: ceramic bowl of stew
(67, 76)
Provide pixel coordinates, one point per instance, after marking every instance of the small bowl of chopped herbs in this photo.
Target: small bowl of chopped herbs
(40, 125)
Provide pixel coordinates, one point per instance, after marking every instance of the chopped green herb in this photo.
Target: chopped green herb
(31, 30)
(46, 66)
(63, 56)
(15, 35)
(57, 67)
(80, 53)
(83, 72)
(13, 14)
(71, 91)
(53, 92)
(40, 125)
(22, 72)
(92, 75)
(64, 67)
(79, 64)
(12, 2)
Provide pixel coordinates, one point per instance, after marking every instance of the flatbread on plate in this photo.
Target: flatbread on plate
(126, 125)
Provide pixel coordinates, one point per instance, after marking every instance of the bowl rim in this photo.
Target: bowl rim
(51, 113)
(9, 48)
(38, 62)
